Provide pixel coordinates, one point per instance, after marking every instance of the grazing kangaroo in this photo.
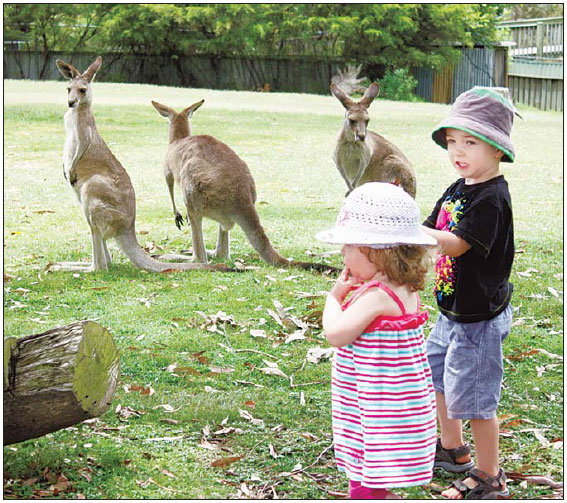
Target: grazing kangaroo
(217, 184)
(363, 156)
(101, 183)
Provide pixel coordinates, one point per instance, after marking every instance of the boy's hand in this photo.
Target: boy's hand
(343, 285)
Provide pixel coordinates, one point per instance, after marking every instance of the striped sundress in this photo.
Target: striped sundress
(384, 421)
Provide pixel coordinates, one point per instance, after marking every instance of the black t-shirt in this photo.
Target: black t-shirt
(475, 286)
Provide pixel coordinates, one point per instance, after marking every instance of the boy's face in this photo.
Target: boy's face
(475, 160)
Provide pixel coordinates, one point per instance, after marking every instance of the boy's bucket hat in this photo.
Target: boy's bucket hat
(378, 215)
(483, 112)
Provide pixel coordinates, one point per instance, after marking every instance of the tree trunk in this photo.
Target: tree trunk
(56, 379)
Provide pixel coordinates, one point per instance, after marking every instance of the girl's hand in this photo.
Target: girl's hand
(343, 285)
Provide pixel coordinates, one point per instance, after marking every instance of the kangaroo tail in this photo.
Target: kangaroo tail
(314, 265)
(129, 245)
(250, 223)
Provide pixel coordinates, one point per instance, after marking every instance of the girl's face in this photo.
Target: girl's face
(357, 263)
(475, 160)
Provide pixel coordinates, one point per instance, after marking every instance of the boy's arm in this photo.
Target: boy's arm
(448, 243)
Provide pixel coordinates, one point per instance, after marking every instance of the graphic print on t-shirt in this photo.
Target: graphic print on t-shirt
(445, 268)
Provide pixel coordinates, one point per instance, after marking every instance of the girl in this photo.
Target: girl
(382, 395)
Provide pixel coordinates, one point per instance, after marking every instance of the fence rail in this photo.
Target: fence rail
(535, 69)
(539, 38)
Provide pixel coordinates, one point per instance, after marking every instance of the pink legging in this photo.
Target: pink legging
(358, 492)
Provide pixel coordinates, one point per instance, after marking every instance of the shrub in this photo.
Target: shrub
(398, 85)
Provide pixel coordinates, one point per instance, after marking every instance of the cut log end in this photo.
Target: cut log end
(96, 370)
(57, 378)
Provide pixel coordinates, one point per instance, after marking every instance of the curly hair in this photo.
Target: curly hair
(404, 264)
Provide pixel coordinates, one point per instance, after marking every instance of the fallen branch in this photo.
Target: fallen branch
(536, 480)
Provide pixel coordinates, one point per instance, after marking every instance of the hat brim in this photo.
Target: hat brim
(343, 235)
(491, 136)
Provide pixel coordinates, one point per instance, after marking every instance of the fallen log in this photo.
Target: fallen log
(57, 378)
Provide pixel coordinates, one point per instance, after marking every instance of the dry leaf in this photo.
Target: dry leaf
(298, 335)
(258, 333)
(273, 371)
(125, 413)
(273, 451)
(275, 317)
(550, 355)
(227, 431)
(223, 462)
(200, 358)
(205, 444)
(246, 415)
(166, 407)
(168, 473)
(553, 291)
(314, 355)
(187, 370)
(61, 485)
(170, 421)
(542, 440)
(219, 370)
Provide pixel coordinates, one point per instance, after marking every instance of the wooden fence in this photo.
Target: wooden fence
(292, 74)
(535, 69)
(541, 38)
(477, 66)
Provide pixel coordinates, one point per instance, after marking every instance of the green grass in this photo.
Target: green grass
(287, 141)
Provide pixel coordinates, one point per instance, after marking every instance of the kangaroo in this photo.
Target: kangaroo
(215, 183)
(362, 156)
(101, 184)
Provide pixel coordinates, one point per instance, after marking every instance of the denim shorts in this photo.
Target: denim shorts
(466, 364)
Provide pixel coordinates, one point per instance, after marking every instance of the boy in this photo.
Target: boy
(472, 223)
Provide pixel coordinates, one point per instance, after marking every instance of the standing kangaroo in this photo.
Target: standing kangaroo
(101, 183)
(363, 156)
(217, 184)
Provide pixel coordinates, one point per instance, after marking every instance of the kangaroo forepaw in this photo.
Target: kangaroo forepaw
(178, 220)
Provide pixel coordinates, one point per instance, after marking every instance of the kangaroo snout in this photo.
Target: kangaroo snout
(72, 103)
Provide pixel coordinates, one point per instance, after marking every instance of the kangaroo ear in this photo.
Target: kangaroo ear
(91, 70)
(371, 93)
(341, 96)
(68, 71)
(189, 110)
(163, 109)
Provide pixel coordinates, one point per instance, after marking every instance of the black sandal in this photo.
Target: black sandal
(488, 488)
(447, 458)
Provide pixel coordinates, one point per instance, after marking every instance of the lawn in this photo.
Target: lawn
(200, 410)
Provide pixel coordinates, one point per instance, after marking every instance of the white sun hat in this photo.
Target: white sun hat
(378, 215)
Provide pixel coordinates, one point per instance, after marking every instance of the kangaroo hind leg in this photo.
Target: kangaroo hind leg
(223, 243)
(101, 257)
(199, 251)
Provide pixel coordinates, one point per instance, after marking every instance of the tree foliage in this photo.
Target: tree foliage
(53, 27)
(516, 11)
(392, 35)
